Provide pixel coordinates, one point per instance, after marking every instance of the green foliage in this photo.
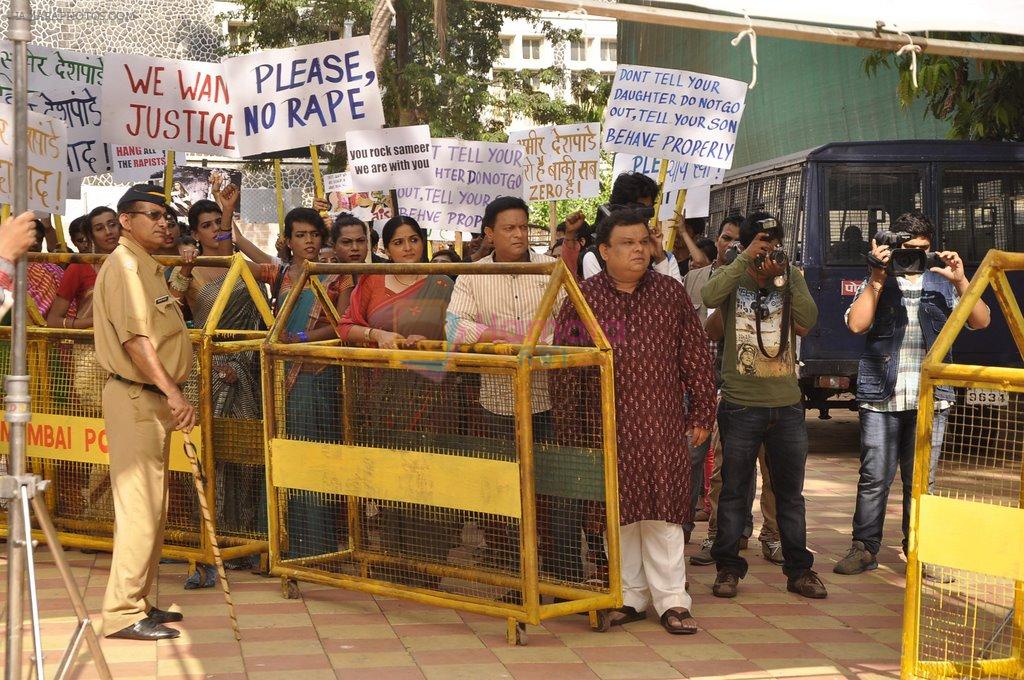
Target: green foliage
(458, 95)
(981, 99)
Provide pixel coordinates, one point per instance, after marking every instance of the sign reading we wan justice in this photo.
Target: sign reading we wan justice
(80, 440)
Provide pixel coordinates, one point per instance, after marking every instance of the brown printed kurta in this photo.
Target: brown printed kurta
(661, 354)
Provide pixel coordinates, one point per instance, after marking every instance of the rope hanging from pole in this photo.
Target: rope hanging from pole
(913, 50)
(749, 33)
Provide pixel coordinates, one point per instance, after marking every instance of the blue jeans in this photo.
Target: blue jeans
(783, 432)
(887, 440)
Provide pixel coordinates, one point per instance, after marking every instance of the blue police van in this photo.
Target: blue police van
(831, 201)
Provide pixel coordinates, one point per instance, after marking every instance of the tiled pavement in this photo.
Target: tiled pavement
(764, 633)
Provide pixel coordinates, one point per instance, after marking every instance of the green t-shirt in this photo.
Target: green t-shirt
(751, 377)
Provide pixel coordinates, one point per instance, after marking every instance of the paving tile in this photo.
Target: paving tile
(550, 671)
(625, 670)
(466, 672)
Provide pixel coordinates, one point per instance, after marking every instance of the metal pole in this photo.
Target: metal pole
(19, 32)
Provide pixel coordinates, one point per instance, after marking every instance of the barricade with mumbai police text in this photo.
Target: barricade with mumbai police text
(446, 474)
(67, 442)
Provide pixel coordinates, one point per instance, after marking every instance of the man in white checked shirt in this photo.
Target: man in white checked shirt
(500, 308)
(900, 317)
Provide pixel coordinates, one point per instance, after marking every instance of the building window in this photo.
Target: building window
(506, 47)
(578, 50)
(608, 78)
(531, 48)
(238, 35)
(609, 50)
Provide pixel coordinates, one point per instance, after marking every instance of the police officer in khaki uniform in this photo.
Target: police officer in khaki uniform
(142, 342)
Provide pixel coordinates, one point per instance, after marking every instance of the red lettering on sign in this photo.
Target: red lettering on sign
(849, 287)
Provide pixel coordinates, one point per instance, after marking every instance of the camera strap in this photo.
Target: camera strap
(784, 330)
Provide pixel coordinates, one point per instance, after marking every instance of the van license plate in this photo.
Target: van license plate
(976, 397)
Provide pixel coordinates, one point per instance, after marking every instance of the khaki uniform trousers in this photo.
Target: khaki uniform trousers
(138, 426)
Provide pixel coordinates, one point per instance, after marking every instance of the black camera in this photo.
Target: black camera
(777, 256)
(904, 261)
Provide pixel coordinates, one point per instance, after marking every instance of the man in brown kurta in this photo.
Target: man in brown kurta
(142, 342)
(661, 355)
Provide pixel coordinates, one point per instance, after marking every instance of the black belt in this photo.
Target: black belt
(145, 386)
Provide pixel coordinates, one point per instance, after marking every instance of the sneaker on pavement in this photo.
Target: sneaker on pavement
(726, 584)
(703, 558)
(858, 560)
(807, 584)
(772, 551)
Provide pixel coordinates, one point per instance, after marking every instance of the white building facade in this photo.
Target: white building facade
(525, 48)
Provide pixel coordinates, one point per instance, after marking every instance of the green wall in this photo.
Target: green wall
(807, 94)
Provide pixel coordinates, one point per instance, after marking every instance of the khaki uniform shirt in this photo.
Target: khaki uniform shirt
(131, 298)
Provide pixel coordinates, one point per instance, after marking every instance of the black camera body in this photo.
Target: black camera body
(904, 261)
(777, 256)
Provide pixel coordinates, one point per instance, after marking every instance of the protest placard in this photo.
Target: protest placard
(560, 161)
(678, 176)
(369, 206)
(47, 160)
(680, 115)
(66, 85)
(168, 105)
(311, 94)
(391, 158)
(138, 163)
(696, 204)
(467, 176)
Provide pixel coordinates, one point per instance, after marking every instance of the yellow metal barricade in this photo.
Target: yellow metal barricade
(67, 441)
(389, 471)
(964, 609)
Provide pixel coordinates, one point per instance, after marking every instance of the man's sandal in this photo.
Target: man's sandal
(674, 621)
(606, 618)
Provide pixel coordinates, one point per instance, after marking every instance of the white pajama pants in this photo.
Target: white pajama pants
(653, 565)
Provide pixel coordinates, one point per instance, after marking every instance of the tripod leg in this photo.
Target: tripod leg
(33, 593)
(77, 603)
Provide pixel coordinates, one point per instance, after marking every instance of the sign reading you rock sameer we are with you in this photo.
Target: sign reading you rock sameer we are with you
(677, 115)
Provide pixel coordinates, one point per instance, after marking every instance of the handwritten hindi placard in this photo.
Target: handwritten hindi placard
(66, 85)
(678, 176)
(168, 105)
(47, 160)
(392, 158)
(680, 115)
(467, 176)
(560, 161)
(297, 96)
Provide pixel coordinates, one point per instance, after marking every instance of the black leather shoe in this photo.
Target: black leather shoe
(163, 616)
(146, 629)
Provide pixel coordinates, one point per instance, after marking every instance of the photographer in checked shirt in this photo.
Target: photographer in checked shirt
(900, 308)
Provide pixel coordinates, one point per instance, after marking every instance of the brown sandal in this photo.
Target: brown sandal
(678, 615)
(617, 617)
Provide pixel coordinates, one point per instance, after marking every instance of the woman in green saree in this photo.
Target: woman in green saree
(235, 382)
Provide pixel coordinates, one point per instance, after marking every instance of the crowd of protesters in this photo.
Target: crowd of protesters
(704, 339)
